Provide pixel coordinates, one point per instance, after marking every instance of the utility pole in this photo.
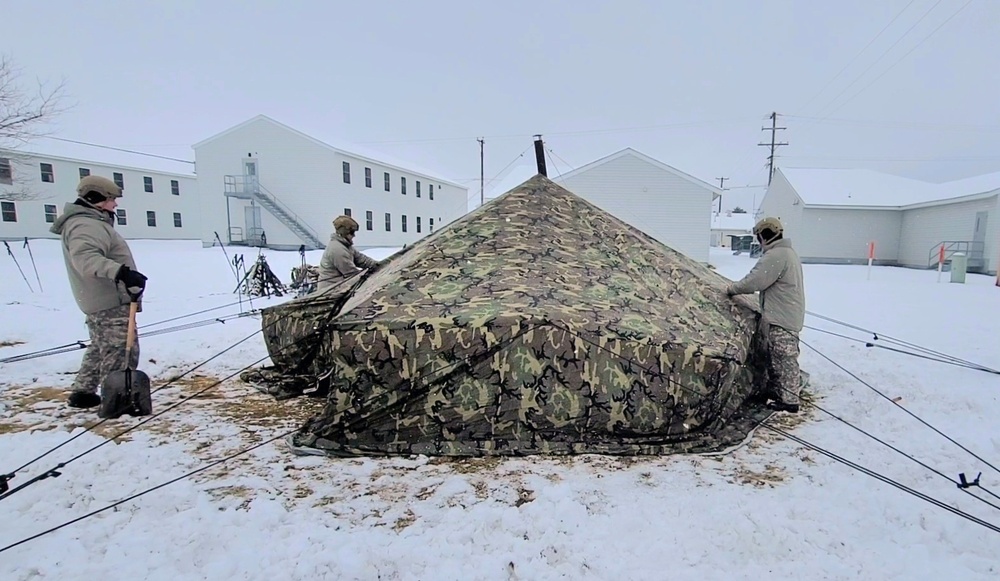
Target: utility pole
(540, 155)
(722, 181)
(482, 181)
(770, 159)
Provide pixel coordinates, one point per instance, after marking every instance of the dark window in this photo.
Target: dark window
(151, 219)
(402, 184)
(347, 211)
(404, 222)
(418, 224)
(147, 183)
(122, 217)
(175, 187)
(430, 193)
(47, 175)
(430, 224)
(8, 212)
(388, 222)
(347, 173)
(84, 172)
(368, 177)
(368, 220)
(387, 181)
(119, 180)
(418, 188)
(6, 172)
(177, 220)
(50, 213)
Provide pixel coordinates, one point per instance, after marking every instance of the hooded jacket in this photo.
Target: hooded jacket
(93, 252)
(778, 277)
(340, 260)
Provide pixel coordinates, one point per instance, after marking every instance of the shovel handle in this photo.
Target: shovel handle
(133, 308)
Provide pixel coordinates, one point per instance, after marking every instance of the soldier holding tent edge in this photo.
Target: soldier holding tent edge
(341, 259)
(103, 277)
(778, 277)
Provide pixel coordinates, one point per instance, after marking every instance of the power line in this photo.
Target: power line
(120, 149)
(881, 56)
(770, 159)
(897, 61)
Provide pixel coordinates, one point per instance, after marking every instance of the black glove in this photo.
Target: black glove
(131, 278)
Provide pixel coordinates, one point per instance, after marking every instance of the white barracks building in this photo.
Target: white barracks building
(260, 183)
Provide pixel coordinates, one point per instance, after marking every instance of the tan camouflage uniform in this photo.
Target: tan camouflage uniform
(778, 277)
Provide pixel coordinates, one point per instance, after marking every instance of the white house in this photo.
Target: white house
(665, 203)
(262, 181)
(157, 203)
(730, 224)
(833, 214)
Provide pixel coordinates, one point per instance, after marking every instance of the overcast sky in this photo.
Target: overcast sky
(687, 82)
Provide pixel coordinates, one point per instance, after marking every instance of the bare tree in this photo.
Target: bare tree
(24, 113)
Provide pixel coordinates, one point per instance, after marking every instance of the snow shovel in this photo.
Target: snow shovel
(126, 391)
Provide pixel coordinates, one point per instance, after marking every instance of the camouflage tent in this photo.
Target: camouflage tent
(536, 324)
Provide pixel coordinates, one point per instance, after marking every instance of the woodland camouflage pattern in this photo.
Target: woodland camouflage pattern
(537, 324)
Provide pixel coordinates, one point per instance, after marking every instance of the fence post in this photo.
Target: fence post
(940, 261)
(871, 257)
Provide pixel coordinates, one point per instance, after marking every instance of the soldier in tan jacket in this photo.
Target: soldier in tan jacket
(778, 277)
(340, 259)
(102, 275)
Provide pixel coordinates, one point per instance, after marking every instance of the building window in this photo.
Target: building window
(84, 172)
(418, 224)
(147, 184)
(6, 172)
(386, 181)
(404, 222)
(368, 177)
(47, 175)
(430, 191)
(368, 220)
(50, 213)
(402, 184)
(175, 187)
(177, 220)
(347, 173)
(119, 180)
(430, 224)
(8, 212)
(388, 222)
(151, 219)
(418, 188)
(122, 217)
(347, 212)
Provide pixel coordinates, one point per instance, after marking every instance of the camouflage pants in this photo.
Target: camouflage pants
(783, 364)
(106, 353)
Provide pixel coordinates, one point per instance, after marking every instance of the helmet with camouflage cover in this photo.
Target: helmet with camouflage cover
(768, 230)
(97, 188)
(345, 226)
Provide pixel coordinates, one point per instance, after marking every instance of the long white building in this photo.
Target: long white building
(34, 187)
(832, 215)
(264, 182)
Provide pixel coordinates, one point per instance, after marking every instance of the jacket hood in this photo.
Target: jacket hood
(74, 210)
(780, 243)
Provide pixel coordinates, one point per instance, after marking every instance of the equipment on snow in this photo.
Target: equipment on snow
(32, 256)
(14, 258)
(126, 391)
(260, 281)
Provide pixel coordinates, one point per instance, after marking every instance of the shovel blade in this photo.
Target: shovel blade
(125, 392)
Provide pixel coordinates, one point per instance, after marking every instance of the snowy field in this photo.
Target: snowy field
(771, 509)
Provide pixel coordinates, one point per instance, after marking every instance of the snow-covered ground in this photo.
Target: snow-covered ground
(771, 509)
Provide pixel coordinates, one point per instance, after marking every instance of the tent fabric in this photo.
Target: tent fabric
(537, 324)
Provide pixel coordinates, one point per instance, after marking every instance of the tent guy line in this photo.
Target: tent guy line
(864, 470)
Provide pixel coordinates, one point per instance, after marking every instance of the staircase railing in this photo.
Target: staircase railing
(974, 250)
(249, 187)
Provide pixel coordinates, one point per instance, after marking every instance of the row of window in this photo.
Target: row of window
(387, 181)
(49, 176)
(370, 221)
(8, 213)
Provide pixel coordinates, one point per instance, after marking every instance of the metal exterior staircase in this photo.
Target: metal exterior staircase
(249, 188)
(974, 251)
